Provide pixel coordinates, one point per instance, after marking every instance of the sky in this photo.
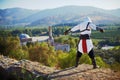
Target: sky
(49, 4)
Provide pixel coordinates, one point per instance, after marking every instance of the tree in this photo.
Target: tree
(9, 44)
(43, 53)
(19, 54)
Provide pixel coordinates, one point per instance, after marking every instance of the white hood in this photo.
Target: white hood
(87, 19)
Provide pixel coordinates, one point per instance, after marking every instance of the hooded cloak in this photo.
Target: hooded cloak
(85, 45)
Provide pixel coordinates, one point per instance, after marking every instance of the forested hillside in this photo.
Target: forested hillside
(46, 55)
(60, 15)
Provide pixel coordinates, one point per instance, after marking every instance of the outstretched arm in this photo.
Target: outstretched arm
(75, 28)
(94, 27)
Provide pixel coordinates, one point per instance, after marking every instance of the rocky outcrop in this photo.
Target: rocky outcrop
(23, 69)
(11, 69)
(85, 72)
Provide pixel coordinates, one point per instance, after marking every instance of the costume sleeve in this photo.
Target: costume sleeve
(75, 28)
(93, 26)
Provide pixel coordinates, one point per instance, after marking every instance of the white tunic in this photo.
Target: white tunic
(88, 42)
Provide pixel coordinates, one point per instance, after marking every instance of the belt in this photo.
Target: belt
(85, 36)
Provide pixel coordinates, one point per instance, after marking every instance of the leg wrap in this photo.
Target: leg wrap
(92, 56)
(79, 54)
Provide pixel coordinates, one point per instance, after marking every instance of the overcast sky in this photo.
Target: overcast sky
(48, 4)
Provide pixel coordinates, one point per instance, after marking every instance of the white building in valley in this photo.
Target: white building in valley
(106, 47)
(24, 38)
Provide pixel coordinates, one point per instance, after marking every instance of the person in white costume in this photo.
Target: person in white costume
(85, 44)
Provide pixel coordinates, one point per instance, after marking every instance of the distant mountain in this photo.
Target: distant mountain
(70, 14)
(12, 16)
(61, 15)
(115, 12)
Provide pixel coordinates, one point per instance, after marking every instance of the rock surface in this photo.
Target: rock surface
(11, 69)
(85, 72)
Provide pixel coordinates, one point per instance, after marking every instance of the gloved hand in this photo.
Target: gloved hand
(67, 31)
(101, 30)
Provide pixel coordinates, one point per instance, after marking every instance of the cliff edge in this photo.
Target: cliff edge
(11, 69)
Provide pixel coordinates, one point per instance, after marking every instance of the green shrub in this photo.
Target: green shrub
(115, 66)
(19, 54)
(62, 60)
(100, 62)
(85, 59)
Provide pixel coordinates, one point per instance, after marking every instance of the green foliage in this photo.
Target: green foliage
(85, 59)
(39, 53)
(57, 31)
(23, 75)
(111, 37)
(5, 33)
(9, 44)
(116, 53)
(100, 62)
(43, 53)
(115, 66)
(67, 40)
(62, 60)
(46, 54)
(66, 60)
(19, 54)
(96, 41)
(108, 34)
(72, 57)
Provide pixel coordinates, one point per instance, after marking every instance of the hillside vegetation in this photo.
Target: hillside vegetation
(46, 55)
